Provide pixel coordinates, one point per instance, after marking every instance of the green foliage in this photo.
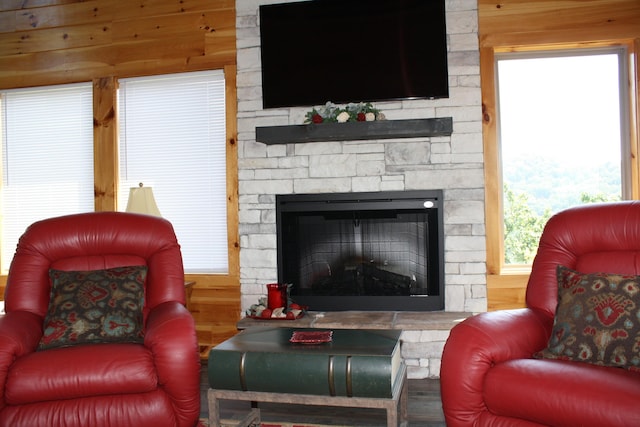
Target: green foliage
(599, 197)
(557, 184)
(537, 186)
(522, 228)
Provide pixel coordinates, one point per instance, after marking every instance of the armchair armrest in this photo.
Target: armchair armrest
(170, 334)
(20, 332)
(479, 343)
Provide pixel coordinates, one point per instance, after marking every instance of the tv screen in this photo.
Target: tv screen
(352, 51)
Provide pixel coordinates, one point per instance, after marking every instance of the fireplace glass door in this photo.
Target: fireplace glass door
(362, 251)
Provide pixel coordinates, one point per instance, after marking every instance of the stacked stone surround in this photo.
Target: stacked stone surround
(452, 163)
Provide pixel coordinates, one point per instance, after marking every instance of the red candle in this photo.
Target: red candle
(276, 295)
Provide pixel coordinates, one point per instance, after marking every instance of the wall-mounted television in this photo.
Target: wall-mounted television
(352, 51)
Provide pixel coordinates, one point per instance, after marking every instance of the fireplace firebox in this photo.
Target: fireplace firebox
(362, 251)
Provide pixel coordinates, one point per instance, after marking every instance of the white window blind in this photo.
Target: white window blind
(47, 158)
(173, 139)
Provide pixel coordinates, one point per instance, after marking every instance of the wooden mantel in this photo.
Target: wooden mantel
(351, 131)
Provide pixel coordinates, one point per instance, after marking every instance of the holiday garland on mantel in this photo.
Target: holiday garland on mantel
(352, 112)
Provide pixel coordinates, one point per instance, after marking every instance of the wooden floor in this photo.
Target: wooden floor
(424, 409)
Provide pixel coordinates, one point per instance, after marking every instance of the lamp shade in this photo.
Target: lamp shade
(141, 201)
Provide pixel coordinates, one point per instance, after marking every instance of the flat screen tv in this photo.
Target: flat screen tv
(352, 51)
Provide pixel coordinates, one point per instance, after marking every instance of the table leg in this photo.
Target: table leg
(392, 417)
(404, 398)
(399, 405)
(214, 409)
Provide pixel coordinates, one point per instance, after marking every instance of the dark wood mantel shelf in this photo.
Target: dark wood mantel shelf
(351, 131)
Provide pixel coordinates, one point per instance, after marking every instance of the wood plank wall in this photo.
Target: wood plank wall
(46, 42)
(60, 41)
(510, 25)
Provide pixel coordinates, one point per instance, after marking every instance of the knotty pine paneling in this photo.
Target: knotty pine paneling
(212, 309)
(53, 42)
(29, 4)
(71, 13)
(52, 39)
(105, 154)
(57, 16)
(593, 18)
(506, 291)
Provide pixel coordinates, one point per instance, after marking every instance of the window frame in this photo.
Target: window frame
(623, 76)
(499, 275)
(105, 159)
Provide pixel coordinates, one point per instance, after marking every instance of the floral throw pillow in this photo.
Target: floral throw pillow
(597, 319)
(95, 307)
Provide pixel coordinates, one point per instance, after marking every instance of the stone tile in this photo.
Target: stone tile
(430, 320)
(407, 320)
(356, 320)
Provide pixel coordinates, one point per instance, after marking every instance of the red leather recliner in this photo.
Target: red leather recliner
(488, 375)
(153, 384)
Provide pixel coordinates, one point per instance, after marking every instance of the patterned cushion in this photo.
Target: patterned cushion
(597, 319)
(95, 307)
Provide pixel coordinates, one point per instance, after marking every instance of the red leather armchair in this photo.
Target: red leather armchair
(108, 384)
(488, 373)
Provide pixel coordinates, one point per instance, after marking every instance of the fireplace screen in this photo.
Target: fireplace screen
(362, 251)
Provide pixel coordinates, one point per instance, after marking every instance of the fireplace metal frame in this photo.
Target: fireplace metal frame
(386, 200)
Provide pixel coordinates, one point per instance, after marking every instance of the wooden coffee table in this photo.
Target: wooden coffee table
(369, 356)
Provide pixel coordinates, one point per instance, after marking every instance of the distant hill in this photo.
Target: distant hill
(558, 184)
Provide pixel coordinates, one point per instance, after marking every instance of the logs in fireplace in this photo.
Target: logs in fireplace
(365, 279)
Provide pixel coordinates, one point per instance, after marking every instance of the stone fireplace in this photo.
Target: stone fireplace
(452, 163)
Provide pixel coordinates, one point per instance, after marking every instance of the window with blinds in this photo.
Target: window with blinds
(47, 158)
(173, 139)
